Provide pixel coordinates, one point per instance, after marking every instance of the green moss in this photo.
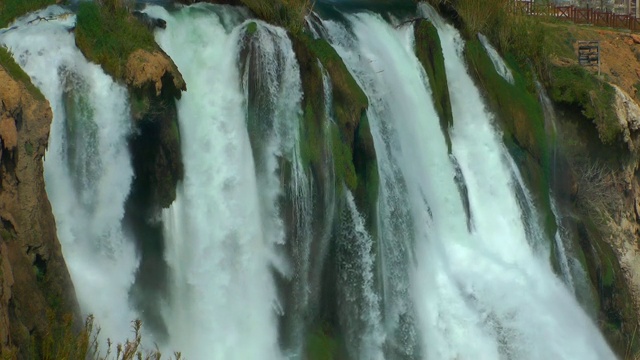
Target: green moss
(575, 86)
(28, 148)
(175, 130)
(345, 86)
(108, 36)
(311, 140)
(516, 105)
(637, 87)
(429, 51)
(16, 72)
(252, 27)
(349, 105)
(343, 159)
(140, 105)
(608, 275)
(12, 9)
(321, 346)
(5, 234)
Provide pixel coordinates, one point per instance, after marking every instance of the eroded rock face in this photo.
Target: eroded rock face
(144, 67)
(33, 275)
(628, 113)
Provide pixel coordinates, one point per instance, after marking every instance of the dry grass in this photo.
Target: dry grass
(598, 195)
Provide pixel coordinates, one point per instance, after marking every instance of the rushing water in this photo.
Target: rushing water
(88, 170)
(455, 265)
(499, 63)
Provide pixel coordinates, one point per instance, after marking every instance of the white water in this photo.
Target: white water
(480, 295)
(224, 226)
(87, 166)
(444, 291)
(513, 292)
(497, 60)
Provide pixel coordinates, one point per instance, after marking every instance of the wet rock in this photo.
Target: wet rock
(150, 22)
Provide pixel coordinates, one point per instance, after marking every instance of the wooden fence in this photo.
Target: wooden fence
(577, 15)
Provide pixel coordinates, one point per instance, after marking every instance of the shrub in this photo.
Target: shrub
(574, 85)
(61, 342)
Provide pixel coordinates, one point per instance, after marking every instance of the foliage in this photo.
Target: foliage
(108, 34)
(12, 9)
(16, 72)
(289, 14)
(573, 85)
(523, 36)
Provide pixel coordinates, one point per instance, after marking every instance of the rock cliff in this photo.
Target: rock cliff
(34, 281)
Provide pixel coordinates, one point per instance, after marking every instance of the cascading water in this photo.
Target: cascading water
(87, 166)
(456, 265)
(504, 266)
(225, 228)
(498, 62)
(479, 294)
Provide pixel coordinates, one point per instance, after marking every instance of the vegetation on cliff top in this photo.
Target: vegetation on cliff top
(289, 14)
(521, 36)
(573, 85)
(16, 72)
(12, 9)
(100, 31)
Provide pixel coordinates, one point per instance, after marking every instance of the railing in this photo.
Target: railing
(577, 15)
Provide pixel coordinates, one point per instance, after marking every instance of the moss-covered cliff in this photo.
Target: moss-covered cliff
(429, 52)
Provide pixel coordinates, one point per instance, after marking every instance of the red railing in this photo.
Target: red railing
(578, 15)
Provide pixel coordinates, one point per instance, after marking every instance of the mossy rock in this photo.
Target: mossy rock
(617, 316)
(350, 104)
(108, 36)
(429, 51)
(574, 86)
(349, 107)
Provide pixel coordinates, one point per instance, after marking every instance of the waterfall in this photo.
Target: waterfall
(87, 167)
(225, 229)
(498, 62)
(499, 267)
(395, 83)
(468, 287)
(453, 265)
